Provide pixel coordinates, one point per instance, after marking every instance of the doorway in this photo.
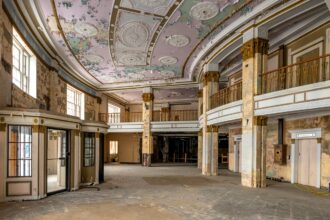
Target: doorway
(307, 162)
(57, 161)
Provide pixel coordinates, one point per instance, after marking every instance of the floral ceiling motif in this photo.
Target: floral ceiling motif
(115, 41)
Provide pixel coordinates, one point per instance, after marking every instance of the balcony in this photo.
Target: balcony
(227, 95)
(298, 74)
(114, 118)
(175, 115)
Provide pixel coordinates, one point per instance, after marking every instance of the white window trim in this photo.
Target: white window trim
(31, 72)
(79, 97)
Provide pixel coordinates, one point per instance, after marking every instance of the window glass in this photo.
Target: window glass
(24, 66)
(19, 151)
(89, 149)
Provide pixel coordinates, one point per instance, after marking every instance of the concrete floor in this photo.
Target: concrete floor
(133, 192)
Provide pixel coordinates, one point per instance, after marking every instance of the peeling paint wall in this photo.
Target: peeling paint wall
(231, 155)
(91, 108)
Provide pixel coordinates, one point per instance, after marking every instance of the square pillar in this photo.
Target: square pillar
(75, 161)
(254, 52)
(147, 141)
(200, 149)
(3, 144)
(210, 133)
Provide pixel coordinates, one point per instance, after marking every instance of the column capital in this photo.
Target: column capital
(212, 128)
(254, 46)
(148, 97)
(211, 76)
(260, 120)
(39, 128)
(3, 126)
(200, 93)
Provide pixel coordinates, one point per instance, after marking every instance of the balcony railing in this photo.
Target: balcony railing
(227, 95)
(298, 74)
(111, 118)
(175, 115)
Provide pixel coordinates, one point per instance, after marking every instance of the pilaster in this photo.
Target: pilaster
(75, 158)
(254, 53)
(147, 142)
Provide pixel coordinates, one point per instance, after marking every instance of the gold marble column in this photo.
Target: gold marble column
(75, 146)
(147, 141)
(254, 53)
(3, 156)
(210, 133)
(200, 149)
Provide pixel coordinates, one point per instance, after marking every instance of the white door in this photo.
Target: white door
(307, 162)
(239, 157)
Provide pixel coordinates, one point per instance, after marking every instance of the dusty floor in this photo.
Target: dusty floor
(133, 192)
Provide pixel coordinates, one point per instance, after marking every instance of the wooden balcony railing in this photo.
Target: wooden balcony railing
(298, 74)
(227, 95)
(175, 115)
(111, 118)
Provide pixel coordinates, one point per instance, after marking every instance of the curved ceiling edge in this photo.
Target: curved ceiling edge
(9, 6)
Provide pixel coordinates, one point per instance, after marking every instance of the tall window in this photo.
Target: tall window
(89, 150)
(24, 66)
(113, 147)
(75, 102)
(19, 151)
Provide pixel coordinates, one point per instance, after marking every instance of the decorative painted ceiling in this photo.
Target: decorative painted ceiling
(115, 41)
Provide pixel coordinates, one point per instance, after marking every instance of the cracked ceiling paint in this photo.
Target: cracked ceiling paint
(113, 41)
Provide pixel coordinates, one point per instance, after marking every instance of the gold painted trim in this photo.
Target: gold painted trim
(39, 129)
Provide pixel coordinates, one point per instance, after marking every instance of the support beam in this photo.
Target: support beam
(254, 53)
(147, 142)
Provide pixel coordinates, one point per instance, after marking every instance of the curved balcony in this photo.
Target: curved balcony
(298, 74)
(227, 95)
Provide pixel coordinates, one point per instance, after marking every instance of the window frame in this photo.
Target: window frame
(18, 142)
(78, 102)
(26, 58)
(91, 147)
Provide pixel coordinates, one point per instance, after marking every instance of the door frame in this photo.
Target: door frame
(67, 161)
(237, 138)
(315, 133)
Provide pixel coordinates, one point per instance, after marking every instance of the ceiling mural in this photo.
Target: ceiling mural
(116, 41)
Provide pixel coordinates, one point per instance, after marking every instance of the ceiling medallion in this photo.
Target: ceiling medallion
(204, 11)
(177, 40)
(132, 59)
(168, 60)
(133, 34)
(86, 29)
